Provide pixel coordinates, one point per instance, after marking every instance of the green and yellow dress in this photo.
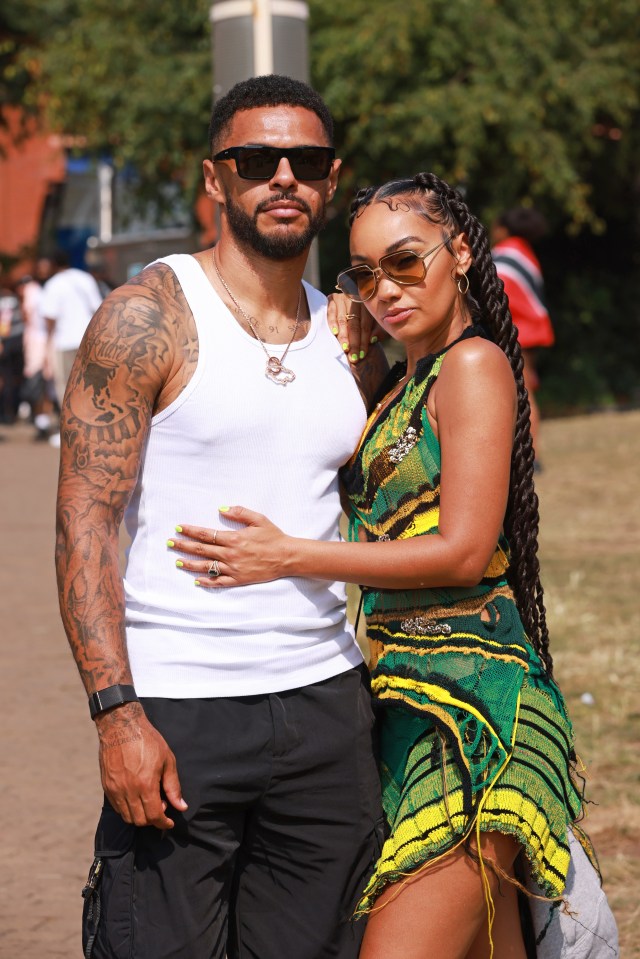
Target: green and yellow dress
(473, 733)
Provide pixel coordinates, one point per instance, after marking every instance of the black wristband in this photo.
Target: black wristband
(111, 696)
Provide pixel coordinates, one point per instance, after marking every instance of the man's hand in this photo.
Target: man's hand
(138, 769)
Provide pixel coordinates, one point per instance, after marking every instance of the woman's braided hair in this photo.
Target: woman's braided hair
(429, 196)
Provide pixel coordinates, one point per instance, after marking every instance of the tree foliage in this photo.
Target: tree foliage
(535, 102)
(16, 72)
(513, 102)
(127, 79)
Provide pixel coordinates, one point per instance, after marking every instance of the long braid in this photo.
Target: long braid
(430, 196)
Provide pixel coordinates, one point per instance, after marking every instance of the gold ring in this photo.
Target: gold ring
(352, 316)
(214, 569)
(215, 534)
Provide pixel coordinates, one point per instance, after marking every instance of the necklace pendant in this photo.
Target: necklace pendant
(278, 373)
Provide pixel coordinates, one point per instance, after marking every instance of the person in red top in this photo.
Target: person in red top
(513, 234)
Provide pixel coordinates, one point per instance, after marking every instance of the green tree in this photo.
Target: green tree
(16, 71)
(512, 101)
(535, 103)
(128, 79)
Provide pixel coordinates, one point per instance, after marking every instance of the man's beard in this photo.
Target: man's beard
(284, 245)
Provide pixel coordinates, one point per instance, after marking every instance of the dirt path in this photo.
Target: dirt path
(49, 784)
(49, 793)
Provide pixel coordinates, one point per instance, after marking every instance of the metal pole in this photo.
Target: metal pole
(262, 38)
(257, 37)
(105, 186)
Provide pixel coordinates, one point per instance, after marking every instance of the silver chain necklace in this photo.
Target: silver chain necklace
(274, 369)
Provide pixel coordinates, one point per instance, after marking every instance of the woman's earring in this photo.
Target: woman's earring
(463, 283)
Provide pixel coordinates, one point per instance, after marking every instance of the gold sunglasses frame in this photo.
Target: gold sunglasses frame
(380, 269)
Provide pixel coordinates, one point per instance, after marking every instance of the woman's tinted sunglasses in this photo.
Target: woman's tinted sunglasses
(261, 163)
(404, 267)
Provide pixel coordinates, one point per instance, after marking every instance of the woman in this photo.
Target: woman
(475, 745)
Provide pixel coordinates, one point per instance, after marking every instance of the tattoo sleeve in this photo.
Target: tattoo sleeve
(370, 373)
(141, 339)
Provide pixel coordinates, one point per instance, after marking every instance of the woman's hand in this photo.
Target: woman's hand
(353, 326)
(256, 554)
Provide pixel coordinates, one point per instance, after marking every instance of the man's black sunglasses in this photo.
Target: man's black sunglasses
(261, 163)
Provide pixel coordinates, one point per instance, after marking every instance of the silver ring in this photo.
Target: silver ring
(352, 316)
(214, 569)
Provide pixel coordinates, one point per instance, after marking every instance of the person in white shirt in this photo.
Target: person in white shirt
(69, 300)
(242, 808)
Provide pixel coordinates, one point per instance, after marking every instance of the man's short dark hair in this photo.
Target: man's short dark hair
(61, 259)
(271, 90)
(524, 221)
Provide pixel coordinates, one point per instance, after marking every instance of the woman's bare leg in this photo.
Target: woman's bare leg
(442, 913)
(506, 932)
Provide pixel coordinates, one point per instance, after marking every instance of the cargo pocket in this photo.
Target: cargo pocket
(107, 926)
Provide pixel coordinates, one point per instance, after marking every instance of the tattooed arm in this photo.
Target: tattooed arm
(370, 373)
(137, 355)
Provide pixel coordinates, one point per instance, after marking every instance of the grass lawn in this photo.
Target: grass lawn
(590, 557)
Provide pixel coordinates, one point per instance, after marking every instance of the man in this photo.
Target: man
(242, 801)
(11, 355)
(37, 385)
(69, 300)
(514, 233)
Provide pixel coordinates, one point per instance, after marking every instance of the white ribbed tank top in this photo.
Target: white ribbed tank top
(233, 438)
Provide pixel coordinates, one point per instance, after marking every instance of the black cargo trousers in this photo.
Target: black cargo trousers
(283, 828)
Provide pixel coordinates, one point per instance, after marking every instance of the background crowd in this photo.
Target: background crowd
(42, 321)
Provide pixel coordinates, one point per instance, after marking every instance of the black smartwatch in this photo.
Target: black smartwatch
(111, 696)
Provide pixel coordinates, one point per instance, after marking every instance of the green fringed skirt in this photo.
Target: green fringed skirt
(533, 798)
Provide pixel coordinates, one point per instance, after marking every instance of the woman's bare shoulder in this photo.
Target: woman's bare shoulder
(478, 358)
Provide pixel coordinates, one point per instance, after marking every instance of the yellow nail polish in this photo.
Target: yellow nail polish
(354, 357)
(178, 529)
(345, 347)
(179, 563)
(196, 582)
(334, 330)
(170, 543)
(224, 509)
(374, 339)
(362, 354)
